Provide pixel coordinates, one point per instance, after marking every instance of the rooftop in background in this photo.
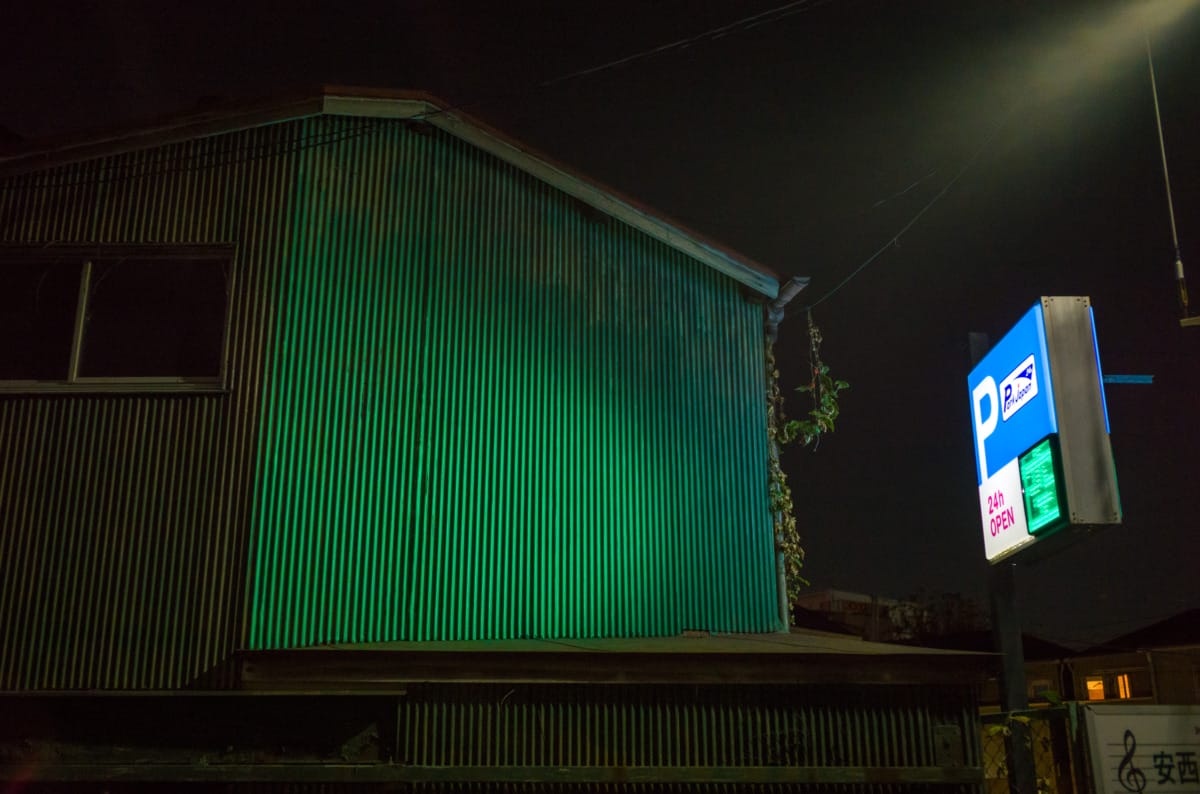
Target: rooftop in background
(17, 157)
(811, 619)
(1177, 630)
(1035, 648)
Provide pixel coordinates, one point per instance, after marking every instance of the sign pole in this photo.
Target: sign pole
(1006, 636)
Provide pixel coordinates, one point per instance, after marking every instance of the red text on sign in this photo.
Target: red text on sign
(1002, 520)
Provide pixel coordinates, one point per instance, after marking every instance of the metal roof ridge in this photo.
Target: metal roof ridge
(396, 104)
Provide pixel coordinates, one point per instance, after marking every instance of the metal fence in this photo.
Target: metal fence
(1051, 737)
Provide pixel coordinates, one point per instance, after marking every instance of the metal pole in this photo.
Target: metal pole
(1006, 635)
(1180, 278)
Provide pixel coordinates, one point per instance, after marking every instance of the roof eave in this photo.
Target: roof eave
(162, 133)
(405, 105)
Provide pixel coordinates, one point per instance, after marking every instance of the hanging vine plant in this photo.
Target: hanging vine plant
(787, 536)
(824, 390)
(821, 419)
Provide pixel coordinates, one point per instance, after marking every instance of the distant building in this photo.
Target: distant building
(1159, 663)
(869, 616)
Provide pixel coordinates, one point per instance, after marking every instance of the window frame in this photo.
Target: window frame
(1121, 684)
(84, 254)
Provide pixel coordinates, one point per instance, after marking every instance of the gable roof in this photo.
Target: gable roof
(386, 104)
(1033, 648)
(1177, 630)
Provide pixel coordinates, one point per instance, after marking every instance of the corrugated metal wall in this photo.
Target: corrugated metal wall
(124, 518)
(832, 736)
(492, 414)
(684, 726)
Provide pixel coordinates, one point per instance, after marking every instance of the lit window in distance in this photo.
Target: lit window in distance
(1095, 688)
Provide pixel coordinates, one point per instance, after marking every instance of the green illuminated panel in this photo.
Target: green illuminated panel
(1039, 480)
(490, 415)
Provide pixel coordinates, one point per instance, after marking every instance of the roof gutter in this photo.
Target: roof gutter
(775, 309)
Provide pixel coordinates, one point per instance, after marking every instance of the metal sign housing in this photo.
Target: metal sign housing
(1042, 383)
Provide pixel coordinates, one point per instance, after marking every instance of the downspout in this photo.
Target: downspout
(775, 312)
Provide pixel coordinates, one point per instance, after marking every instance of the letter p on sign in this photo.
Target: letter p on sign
(983, 428)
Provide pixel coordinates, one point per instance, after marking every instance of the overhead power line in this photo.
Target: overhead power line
(170, 163)
(894, 240)
(737, 26)
(186, 164)
(745, 23)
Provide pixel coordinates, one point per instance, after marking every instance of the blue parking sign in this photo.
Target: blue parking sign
(1012, 396)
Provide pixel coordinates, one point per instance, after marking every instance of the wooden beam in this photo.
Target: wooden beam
(318, 669)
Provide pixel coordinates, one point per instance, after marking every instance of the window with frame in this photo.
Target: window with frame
(1119, 685)
(120, 317)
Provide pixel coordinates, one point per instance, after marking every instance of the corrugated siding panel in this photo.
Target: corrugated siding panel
(491, 414)
(124, 518)
(666, 726)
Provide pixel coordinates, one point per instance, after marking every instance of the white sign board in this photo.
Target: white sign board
(1144, 748)
(1012, 404)
(1005, 528)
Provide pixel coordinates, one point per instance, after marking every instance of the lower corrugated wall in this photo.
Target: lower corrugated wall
(111, 590)
(536, 737)
(682, 726)
(492, 413)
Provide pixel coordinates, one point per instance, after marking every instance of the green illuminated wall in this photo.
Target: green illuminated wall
(489, 412)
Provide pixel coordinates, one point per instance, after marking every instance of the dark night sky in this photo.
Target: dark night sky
(806, 142)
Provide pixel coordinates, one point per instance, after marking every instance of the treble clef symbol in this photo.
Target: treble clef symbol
(1132, 778)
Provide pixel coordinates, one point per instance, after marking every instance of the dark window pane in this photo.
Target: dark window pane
(154, 318)
(37, 318)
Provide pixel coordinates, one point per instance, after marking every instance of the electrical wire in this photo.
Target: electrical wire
(147, 170)
(895, 238)
(773, 14)
(739, 25)
(906, 190)
(745, 23)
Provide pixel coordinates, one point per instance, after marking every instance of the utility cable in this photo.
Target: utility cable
(744, 23)
(906, 190)
(895, 238)
(738, 25)
(171, 165)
